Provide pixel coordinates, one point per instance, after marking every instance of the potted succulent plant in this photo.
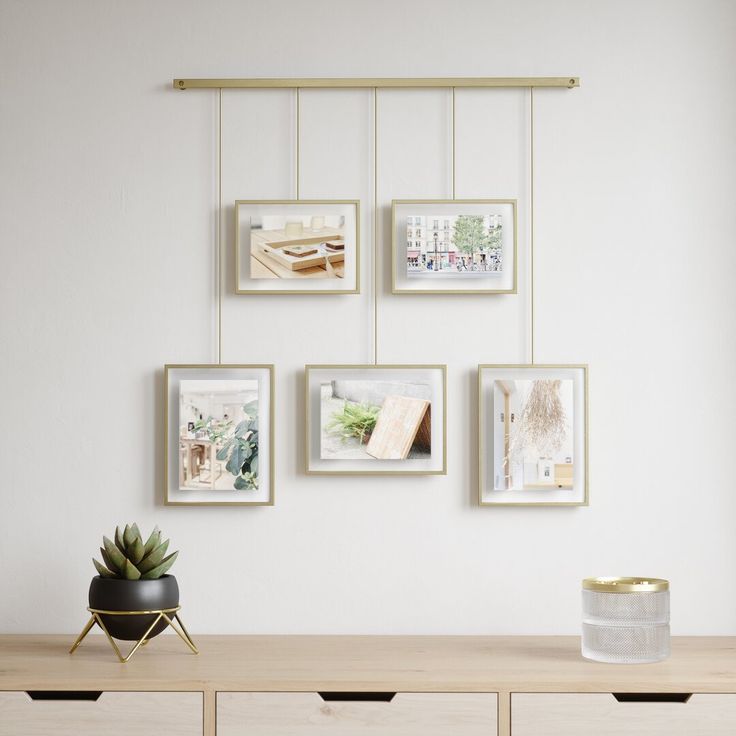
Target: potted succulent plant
(133, 578)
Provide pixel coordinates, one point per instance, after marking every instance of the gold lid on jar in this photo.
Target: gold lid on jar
(626, 585)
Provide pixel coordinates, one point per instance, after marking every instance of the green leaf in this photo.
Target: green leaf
(128, 536)
(222, 453)
(106, 559)
(104, 572)
(119, 540)
(137, 531)
(251, 408)
(154, 558)
(136, 551)
(236, 460)
(242, 428)
(153, 541)
(254, 465)
(240, 483)
(157, 572)
(129, 571)
(116, 556)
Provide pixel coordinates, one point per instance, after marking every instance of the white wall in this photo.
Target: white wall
(107, 207)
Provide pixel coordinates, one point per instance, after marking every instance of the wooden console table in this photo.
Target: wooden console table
(362, 686)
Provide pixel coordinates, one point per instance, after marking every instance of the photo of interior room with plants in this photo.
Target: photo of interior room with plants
(218, 434)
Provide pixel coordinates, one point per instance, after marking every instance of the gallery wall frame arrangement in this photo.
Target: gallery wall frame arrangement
(380, 418)
(533, 435)
(376, 419)
(219, 435)
(453, 246)
(304, 246)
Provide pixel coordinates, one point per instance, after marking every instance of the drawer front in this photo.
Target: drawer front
(309, 714)
(112, 714)
(601, 714)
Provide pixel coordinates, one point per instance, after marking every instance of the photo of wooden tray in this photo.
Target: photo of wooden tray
(269, 248)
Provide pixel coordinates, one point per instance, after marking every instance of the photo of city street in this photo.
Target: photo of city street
(454, 246)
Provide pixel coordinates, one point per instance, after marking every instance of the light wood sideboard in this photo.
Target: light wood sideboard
(363, 686)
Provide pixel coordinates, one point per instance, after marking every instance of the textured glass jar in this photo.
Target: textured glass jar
(626, 620)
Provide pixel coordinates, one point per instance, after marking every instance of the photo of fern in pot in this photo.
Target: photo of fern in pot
(133, 578)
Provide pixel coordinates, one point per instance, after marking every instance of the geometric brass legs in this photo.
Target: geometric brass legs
(162, 613)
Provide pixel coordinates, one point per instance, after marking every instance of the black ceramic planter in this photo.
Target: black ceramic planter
(111, 594)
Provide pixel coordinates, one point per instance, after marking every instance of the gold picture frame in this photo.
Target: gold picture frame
(584, 492)
(310, 462)
(512, 288)
(264, 368)
(293, 203)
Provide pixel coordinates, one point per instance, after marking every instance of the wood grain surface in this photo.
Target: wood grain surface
(307, 714)
(562, 714)
(113, 714)
(394, 663)
(397, 427)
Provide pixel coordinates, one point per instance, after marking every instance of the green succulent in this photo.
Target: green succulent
(129, 558)
(355, 420)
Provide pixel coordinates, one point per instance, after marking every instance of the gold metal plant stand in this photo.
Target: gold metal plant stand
(163, 613)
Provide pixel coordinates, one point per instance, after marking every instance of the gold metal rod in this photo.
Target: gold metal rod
(110, 639)
(162, 613)
(298, 113)
(453, 143)
(145, 636)
(531, 221)
(219, 230)
(379, 82)
(186, 633)
(135, 613)
(84, 633)
(375, 226)
(182, 634)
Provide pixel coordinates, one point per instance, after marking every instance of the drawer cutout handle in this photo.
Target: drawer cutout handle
(343, 696)
(93, 695)
(652, 697)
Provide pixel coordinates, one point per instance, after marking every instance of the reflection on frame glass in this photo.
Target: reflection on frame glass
(532, 434)
(297, 246)
(375, 419)
(454, 246)
(219, 434)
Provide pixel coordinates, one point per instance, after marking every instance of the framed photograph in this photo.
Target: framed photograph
(219, 435)
(376, 419)
(297, 246)
(533, 434)
(460, 246)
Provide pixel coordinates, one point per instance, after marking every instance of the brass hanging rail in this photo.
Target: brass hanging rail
(379, 82)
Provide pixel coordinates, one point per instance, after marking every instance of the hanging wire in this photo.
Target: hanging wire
(453, 143)
(375, 226)
(531, 220)
(298, 136)
(219, 258)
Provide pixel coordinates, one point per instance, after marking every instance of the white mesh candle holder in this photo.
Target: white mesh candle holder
(626, 620)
